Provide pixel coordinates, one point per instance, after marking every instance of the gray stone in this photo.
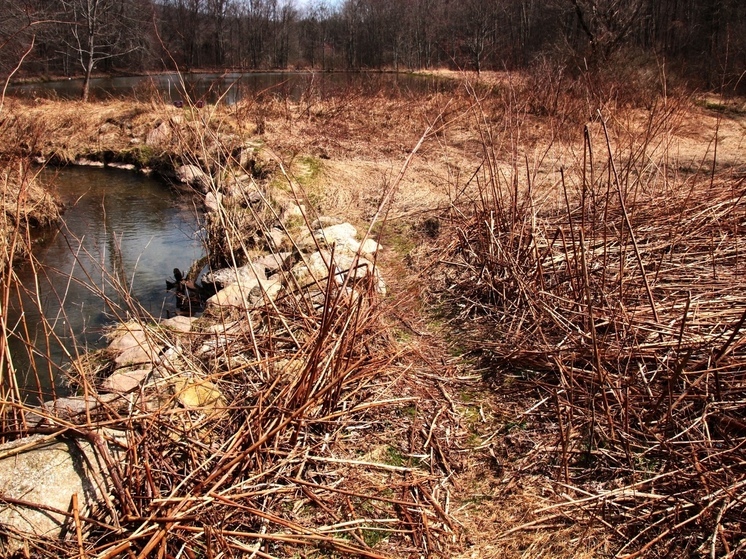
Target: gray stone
(226, 276)
(248, 294)
(193, 176)
(213, 201)
(295, 211)
(324, 221)
(277, 239)
(342, 235)
(254, 197)
(47, 472)
(75, 406)
(137, 355)
(312, 269)
(317, 267)
(159, 135)
(273, 263)
(128, 336)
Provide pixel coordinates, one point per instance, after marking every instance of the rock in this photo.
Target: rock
(137, 355)
(341, 235)
(276, 239)
(295, 211)
(225, 327)
(68, 409)
(179, 323)
(198, 394)
(317, 267)
(248, 294)
(123, 166)
(127, 336)
(254, 197)
(193, 176)
(313, 269)
(226, 276)
(324, 221)
(48, 473)
(273, 263)
(125, 381)
(133, 345)
(213, 201)
(159, 135)
(74, 406)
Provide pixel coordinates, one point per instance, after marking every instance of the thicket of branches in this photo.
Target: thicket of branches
(699, 39)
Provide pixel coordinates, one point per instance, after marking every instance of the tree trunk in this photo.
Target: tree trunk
(87, 81)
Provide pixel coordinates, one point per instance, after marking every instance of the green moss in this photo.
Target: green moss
(310, 169)
(373, 536)
(410, 411)
(397, 235)
(394, 457)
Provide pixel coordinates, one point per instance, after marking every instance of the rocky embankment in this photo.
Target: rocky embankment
(293, 276)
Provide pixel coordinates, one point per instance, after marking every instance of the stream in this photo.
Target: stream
(121, 235)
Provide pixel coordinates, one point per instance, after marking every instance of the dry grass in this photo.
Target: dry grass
(534, 407)
(614, 290)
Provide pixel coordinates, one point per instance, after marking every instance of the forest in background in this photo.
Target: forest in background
(702, 42)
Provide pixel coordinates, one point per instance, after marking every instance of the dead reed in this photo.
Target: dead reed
(259, 432)
(616, 291)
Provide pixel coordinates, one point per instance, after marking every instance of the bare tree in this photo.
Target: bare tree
(101, 30)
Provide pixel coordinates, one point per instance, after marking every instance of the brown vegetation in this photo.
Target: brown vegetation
(557, 372)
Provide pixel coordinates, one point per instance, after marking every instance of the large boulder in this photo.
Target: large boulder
(38, 478)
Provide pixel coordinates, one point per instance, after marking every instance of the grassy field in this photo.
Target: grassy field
(556, 370)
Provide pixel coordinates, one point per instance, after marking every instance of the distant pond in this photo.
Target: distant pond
(232, 87)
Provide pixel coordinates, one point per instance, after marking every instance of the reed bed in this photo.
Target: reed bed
(268, 431)
(258, 433)
(617, 293)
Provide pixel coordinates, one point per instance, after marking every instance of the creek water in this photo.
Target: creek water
(120, 237)
(232, 87)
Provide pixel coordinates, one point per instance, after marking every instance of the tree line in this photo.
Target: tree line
(703, 40)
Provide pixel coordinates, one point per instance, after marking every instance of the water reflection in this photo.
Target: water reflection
(232, 87)
(121, 236)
